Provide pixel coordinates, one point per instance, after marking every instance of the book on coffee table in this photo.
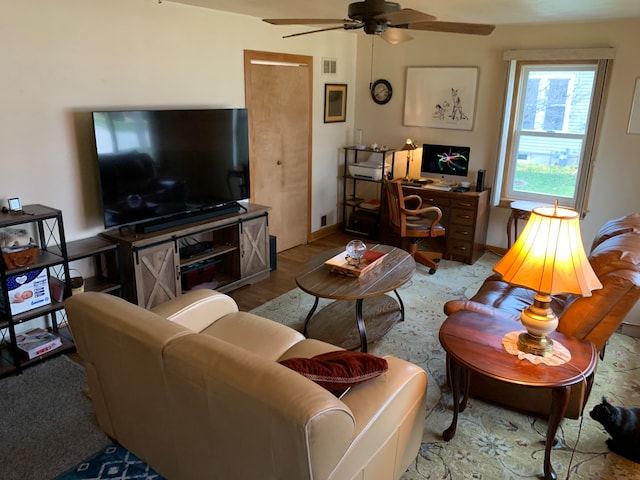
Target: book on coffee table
(339, 263)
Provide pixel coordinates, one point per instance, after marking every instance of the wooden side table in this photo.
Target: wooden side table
(336, 323)
(520, 210)
(473, 342)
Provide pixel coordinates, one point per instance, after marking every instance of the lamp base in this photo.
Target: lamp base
(541, 346)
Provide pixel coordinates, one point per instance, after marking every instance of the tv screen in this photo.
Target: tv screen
(441, 160)
(161, 163)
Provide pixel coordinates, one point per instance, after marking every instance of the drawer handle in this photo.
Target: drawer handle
(463, 232)
(463, 204)
(461, 248)
(464, 216)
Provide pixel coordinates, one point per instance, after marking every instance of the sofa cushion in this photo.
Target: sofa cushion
(263, 337)
(338, 370)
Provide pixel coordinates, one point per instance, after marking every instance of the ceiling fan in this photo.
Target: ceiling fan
(387, 19)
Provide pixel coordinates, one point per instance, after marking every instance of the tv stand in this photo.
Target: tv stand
(237, 253)
(184, 218)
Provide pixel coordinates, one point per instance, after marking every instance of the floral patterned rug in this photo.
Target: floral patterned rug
(491, 442)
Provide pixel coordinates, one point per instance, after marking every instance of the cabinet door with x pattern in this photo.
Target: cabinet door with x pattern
(157, 273)
(254, 246)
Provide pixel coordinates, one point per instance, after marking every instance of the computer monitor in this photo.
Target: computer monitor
(447, 163)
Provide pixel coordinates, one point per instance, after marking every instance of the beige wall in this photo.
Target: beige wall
(617, 169)
(61, 59)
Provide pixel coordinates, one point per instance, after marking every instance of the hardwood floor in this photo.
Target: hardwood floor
(282, 279)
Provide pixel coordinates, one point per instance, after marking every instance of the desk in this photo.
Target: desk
(342, 322)
(473, 342)
(465, 217)
(520, 210)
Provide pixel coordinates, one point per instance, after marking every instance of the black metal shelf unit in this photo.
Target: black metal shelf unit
(359, 217)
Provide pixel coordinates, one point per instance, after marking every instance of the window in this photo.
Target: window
(551, 115)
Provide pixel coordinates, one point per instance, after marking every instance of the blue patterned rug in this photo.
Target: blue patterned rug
(111, 463)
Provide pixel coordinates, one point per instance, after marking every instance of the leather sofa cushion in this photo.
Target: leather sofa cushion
(268, 340)
(336, 371)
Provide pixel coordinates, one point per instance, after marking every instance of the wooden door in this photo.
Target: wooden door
(278, 96)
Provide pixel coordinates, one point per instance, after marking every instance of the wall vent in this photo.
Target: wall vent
(329, 66)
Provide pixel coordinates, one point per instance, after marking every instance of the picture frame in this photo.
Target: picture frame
(335, 102)
(15, 205)
(440, 97)
(634, 115)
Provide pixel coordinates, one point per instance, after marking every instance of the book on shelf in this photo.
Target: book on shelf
(36, 342)
(340, 263)
(373, 205)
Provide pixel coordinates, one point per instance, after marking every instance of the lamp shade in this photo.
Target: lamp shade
(548, 256)
(409, 145)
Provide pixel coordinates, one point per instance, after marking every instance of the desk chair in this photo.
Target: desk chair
(414, 223)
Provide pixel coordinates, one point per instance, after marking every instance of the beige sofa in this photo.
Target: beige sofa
(194, 388)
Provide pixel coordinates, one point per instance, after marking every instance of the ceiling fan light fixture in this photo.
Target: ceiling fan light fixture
(385, 19)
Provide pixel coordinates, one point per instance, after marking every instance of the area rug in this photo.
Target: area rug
(47, 424)
(111, 463)
(491, 442)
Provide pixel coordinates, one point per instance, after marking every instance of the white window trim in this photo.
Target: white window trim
(603, 56)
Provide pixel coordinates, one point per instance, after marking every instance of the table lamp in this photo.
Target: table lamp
(548, 257)
(409, 146)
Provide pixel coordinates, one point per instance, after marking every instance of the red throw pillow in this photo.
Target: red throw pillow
(339, 370)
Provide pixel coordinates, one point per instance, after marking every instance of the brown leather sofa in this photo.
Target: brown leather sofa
(194, 388)
(615, 258)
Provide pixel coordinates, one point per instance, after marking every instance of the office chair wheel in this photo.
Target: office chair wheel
(432, 271)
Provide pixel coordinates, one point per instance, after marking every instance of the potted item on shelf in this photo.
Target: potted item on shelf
(18, 249)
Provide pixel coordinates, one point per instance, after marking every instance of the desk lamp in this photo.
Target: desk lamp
(548, 257)
(409, 146)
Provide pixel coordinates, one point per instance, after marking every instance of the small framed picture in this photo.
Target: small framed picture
(15, 205)
(335, 102)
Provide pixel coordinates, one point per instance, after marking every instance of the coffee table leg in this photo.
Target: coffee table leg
(361, 328)
(401, 305)
(309, 315)
(457, 375)
(559, 402)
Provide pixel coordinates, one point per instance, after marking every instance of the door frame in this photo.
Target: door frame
(283, 58)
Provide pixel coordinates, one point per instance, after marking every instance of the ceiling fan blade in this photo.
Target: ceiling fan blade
(454, 27)
(305, 21)
(405, 17)
(341, 27)
(395, 35)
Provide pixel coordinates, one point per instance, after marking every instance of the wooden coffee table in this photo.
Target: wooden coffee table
(342, 322)
(473, 342)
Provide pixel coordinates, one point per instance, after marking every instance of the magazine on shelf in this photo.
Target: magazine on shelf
(340, 264)
(36, 342)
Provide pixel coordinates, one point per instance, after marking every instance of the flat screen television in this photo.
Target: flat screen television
(445, 162)
(157, 166)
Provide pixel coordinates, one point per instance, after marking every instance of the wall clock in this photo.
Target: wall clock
(381, 91)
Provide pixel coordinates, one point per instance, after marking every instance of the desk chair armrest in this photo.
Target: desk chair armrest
(415, 200)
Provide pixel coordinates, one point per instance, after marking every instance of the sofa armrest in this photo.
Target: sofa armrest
(197, 309)
(453, 306)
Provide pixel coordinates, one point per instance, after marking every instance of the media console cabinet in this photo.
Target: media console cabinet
(225, 252)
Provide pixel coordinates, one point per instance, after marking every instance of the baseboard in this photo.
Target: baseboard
(629, 330)
(497, 250)
(323, 232)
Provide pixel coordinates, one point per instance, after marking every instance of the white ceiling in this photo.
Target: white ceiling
(498, 12)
